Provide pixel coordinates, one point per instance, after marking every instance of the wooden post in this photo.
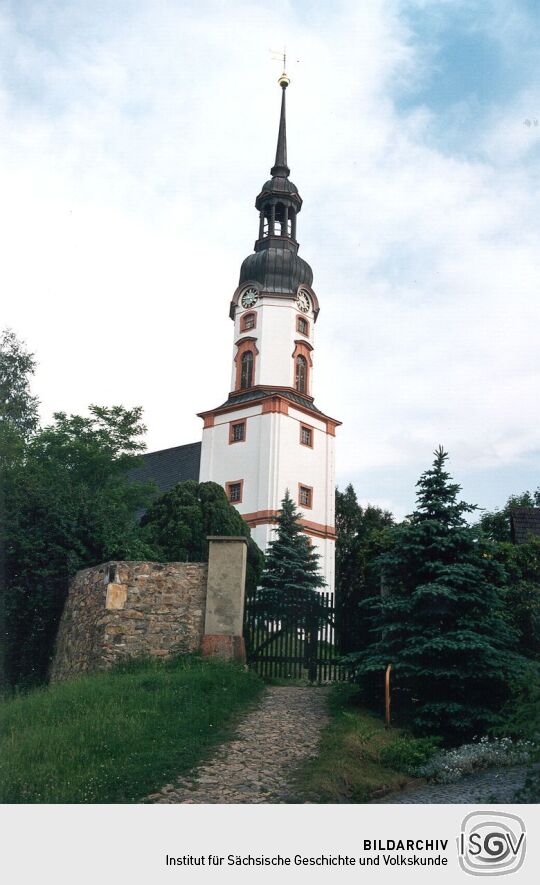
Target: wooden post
(387, 694)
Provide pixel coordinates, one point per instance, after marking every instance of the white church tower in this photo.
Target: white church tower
(269, 436)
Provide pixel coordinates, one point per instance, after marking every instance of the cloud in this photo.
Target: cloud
(135, 139)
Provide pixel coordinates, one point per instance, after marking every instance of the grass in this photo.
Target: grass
(118, 736)
(347, 768)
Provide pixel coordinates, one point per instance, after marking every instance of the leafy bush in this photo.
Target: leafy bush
(448, 766)
(177, 524)
(408, 753)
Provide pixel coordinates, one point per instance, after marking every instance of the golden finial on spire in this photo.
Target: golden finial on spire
(284, 80)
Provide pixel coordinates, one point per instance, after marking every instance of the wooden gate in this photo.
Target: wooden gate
(288, 639)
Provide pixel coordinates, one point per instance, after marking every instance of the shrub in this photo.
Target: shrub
(408, 753)
(177, 524)
(448, 766)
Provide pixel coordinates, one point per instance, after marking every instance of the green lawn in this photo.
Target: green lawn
(347, 768)
(117, 736)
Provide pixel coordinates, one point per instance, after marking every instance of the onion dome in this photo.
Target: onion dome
(277, 269)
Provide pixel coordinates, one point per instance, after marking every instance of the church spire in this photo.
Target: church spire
(275, 264)
(279, 201)
(280, 168)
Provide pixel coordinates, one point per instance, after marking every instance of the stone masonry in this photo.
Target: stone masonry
(128, 609)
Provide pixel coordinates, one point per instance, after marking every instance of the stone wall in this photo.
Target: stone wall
(128, 609)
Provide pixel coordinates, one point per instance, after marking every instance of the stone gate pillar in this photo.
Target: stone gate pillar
(224, 621)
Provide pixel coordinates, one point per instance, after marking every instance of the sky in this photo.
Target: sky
(134, 137)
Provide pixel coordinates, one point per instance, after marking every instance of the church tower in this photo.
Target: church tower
(269, 435)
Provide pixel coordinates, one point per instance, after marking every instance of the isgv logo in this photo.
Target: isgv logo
(491, 843)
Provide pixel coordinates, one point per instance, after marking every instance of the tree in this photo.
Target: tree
(441, 624)
(521, 593)
(69, 505)
(18, 420)
(18, 408)
(177, 524)
(361, 537)
(291, 569)
(287, 603)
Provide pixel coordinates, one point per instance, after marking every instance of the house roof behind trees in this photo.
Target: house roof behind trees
(525, 522)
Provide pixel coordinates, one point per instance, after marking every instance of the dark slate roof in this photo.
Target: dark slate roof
(525, 521)
(277, 185)
(276, 266)
(248, 395)
(169, 466)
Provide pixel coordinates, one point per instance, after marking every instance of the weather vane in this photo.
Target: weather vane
(282, 56)
(278, 56)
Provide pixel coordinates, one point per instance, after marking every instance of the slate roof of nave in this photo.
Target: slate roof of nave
(166, 467)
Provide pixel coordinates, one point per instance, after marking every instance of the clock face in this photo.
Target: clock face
(249, 297)
(303, 301)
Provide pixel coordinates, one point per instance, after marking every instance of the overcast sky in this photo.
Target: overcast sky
(134, 137)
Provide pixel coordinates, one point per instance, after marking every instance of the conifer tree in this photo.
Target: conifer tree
(361, 537)
(440, 621)
(291, 571)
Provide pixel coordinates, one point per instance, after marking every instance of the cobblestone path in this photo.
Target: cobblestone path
(492, 786)
(255, 765)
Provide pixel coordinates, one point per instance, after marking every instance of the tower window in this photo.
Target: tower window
(302, 325)
(305, 496)
(248, 321)
(234, 491)
(245, 363)
(301, 374)
(246, 373)
(237, 431)
(306, 435)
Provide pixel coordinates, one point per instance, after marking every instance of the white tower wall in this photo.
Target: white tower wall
(270, 460)
(275, 334)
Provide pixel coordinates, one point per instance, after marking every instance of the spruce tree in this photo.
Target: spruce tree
(440, 620)
(291, 572)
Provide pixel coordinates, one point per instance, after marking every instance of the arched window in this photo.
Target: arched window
(246, 373)
(301, 374)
